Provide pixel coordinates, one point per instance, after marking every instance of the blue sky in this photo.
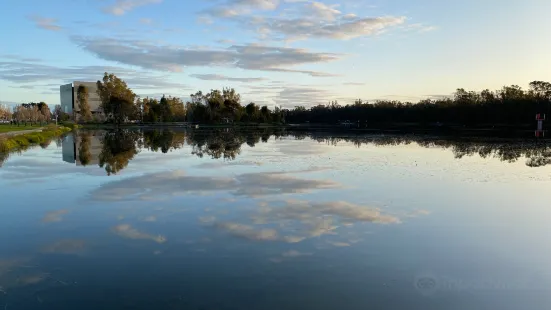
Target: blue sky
(274, 52)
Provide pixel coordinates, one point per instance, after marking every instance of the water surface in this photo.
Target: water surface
(275, 220)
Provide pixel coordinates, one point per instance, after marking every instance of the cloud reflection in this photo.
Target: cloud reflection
(178, 183)
(68, 246)
(248, 232)
(301, 220)
(129, 232)
(54, 216)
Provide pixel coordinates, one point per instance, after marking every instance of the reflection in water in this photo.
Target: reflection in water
(118, 148)
(280, 228)
(115, 149)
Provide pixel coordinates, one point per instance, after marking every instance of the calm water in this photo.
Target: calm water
(271, 220)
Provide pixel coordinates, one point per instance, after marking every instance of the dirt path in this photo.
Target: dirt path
(20, 132)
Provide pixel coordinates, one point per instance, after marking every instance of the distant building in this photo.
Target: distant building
(68, 98)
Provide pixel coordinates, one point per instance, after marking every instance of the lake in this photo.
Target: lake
(272, 219)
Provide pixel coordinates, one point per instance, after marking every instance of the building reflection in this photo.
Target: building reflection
(83, 148)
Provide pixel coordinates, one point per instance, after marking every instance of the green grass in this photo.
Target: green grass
(23, 141)
(9, 128)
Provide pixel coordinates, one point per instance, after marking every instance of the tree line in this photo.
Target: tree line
(120, 104)
(510, 105)
(32, 113)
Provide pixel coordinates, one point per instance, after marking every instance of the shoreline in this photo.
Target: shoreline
(17, 140)
(455, 129)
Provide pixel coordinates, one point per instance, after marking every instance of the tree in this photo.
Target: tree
(265, 112)
(252, 111)
(46, 113)
(117, 100)
(166, 114)
(5, 113)
(83, 105)
(215, 102)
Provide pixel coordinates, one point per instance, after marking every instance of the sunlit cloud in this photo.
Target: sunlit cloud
(121, 7)
(46, 23)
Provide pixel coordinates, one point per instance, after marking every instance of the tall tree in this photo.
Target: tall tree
(83, 105)
(46, 113)
(117, 100)
(166, 114)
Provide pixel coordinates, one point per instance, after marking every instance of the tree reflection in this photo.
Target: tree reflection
(118, 148)
(84, 154)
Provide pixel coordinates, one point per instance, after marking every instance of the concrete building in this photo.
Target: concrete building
(68, 98)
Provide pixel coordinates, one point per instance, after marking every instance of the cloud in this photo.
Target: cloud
(233, 8)
(150, 218)
(303, 28)
(54, 216)
(219, 77)
(353, 83)
(67, 246)
(302, 20)
(321, 215)
(291, 96)
(121, 7)
(21, 72)
(146, 21)
(46, 23)
(338, 244)
(151, 55)
(294, 253)
(176, 183)
(321, 11)
(127, 231)
(301, 220)
(247, 232)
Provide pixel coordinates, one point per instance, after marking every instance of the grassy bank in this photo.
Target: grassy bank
(9, 128)
(25, 140)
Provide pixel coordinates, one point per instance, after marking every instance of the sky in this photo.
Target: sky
(275, 52)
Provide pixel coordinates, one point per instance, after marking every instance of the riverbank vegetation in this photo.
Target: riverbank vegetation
(23, 141)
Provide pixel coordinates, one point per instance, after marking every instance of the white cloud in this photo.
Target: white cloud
(219, 77)
(151, 55)
(121, 7)
(234, 8)
(319, 10)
